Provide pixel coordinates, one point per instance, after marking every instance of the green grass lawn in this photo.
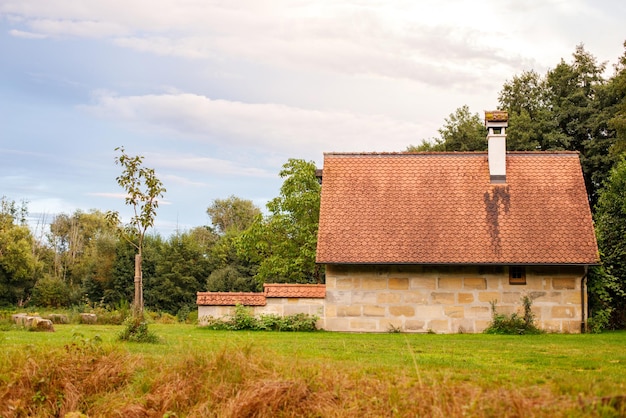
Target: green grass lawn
(571, 371)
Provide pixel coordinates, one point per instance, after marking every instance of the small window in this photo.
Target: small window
(517, 275)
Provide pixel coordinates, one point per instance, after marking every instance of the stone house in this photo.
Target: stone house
(427, 241)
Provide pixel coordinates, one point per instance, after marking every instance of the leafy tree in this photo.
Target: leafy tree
(143, 190)
(232, 212)
(582, 104)
(284, 243)
(231, 272)
(616, 89)
(82, 248)
(610, 219)
(18, 263)
(97, 267)
(531, 125)
(462, 131)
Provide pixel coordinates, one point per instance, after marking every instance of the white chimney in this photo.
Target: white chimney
(496, 122)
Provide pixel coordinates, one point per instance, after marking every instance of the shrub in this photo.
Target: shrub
(183, 313)
(136, 330)
(600, 320)
(51, 292)
(192, 317)
(243, 319)
(513, 324)
(166, 318)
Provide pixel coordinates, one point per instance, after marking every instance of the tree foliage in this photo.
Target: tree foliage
(82, 244)
(610, 219)
(18, 263)
(232, 213)
(462, 131)
(180, 270)
(283, 244)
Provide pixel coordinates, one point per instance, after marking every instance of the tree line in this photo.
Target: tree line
(84, 259)
(87, 258)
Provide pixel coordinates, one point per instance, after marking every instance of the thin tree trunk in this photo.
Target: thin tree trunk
(138, 286)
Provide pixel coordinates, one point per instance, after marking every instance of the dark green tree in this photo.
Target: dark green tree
(462, 131)
(609, 282)
(531, 124)
(180, 272)
(231, 272)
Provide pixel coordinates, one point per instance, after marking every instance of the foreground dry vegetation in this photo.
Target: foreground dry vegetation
(196, 372)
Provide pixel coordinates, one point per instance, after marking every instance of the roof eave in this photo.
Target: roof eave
(387, 263)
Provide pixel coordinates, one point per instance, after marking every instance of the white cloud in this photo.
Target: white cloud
(439, 43)
(186, 48)
(26, 35)
(204, 166)
(83, 29)
(267, 127)
(180, 180)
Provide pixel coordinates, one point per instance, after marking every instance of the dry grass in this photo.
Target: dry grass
(239, 379)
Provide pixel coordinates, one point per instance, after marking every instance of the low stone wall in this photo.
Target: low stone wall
(447, 299)
(277, 298)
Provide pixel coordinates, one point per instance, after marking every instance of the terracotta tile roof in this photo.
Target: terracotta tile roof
(231, 298)
(440, 208)
(282, 290)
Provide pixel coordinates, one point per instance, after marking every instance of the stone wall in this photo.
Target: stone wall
(277, 306)
(446, 299)
(277, 299)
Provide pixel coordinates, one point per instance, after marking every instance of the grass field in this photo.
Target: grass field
(197, 372)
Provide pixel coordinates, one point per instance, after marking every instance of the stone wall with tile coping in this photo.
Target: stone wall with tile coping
(277, 299)
(447, 299)
(278, 306)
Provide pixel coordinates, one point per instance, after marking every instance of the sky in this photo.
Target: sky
(218, 95)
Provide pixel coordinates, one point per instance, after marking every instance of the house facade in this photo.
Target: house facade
(424, 242)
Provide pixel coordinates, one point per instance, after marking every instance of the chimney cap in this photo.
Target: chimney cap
(496, 116)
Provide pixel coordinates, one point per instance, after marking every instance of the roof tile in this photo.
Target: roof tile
(282, 290)
(231, 298)
(440, 208)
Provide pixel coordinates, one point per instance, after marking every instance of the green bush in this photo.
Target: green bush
(600, 320)
(183, 313)
(192, 317)
(513, 324)
(51, 292)
(136, 330)
(243, 319)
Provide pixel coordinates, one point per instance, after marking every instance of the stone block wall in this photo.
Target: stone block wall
(447, 299)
